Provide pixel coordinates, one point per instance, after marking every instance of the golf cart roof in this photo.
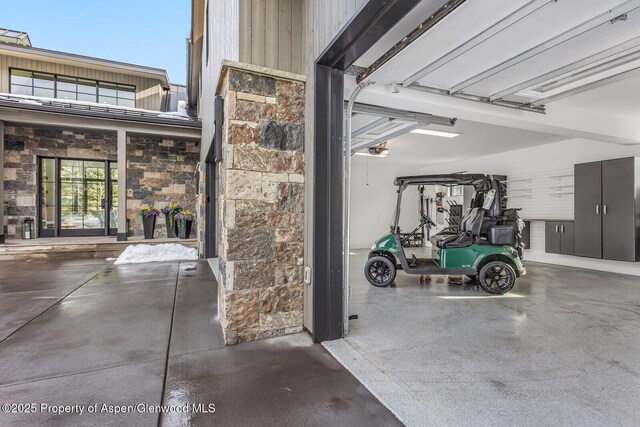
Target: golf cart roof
(443, 179)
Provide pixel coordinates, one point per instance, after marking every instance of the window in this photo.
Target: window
(116, 94)
(455, 190)
(33, 83)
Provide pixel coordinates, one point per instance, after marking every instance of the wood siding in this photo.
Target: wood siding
(149, 94)
(220, 43)
(273, 34)
(329, 16)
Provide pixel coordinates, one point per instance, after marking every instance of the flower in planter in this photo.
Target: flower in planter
(149, 211)
(184, 220)
(184, 215)
(170, 210)
(149, 216)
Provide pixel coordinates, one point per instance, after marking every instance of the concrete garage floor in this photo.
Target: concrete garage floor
(562, 348)
(87, 332)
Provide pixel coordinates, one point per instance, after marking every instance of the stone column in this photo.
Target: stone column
(2, 237)
(261, 203)
(122, 185)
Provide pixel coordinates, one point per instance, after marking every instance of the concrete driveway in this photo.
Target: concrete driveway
(114, 343)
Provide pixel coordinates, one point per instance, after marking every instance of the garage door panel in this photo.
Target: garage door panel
(446, 36)
(542, 25)
(603, 38)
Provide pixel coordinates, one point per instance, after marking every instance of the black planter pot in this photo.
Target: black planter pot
(171, 231)
(149, 224)
(184, 228)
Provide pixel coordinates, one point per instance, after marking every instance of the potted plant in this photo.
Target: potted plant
(184, 219)
(169, 212)
(149, 215)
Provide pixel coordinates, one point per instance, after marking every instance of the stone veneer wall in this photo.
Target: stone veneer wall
(160, 171)
(23, 144)
(261, 206)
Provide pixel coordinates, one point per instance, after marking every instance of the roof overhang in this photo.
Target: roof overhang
(15, 108)
(194, 51)
(61, 120)
(72, 59)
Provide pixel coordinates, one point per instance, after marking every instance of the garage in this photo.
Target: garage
(525, 107)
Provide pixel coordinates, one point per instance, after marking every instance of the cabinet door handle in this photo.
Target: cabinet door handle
(557, 226)
(604, 209)
(597, 209)
(562, 228)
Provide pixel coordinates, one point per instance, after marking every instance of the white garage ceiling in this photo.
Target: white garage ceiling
(525, 51)
(476, 139)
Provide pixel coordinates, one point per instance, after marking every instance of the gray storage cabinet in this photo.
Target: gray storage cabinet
(559, 237)
(607, 209)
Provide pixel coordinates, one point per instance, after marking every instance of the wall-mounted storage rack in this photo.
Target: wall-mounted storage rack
(560, 187)
(559, 195)
(560, 177)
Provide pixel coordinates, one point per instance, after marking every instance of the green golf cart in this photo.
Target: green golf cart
(486, 245)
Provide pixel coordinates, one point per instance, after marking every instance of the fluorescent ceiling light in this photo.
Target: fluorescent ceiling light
(436, 133)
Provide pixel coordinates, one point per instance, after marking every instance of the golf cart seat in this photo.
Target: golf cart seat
(470, 226)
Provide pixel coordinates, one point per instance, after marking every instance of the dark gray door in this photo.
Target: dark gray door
(552, 237)
(567, 238)
(588, 209)
(618, 211)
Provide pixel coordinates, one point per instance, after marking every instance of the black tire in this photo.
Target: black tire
(497, 277)
(473, 278)
(380, 271)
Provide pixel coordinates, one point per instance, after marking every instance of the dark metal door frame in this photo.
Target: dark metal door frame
(373, 20)
(214, 155)
(57, 231)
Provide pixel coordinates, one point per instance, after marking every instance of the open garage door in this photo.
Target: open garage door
(533, 87)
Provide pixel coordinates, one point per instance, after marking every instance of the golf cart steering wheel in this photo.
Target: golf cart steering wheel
(426, 219)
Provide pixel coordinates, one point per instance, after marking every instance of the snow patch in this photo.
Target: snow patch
(136, 254)
(29, 102)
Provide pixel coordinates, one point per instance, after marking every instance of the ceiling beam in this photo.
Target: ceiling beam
(602, 19)
(629, 45)
(479, 38)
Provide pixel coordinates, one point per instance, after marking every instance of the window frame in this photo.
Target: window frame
(124, 87)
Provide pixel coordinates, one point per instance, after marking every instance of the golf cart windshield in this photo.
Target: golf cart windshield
(447, 180)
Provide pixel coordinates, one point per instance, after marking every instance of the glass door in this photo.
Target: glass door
(78, 197)
(48, 197)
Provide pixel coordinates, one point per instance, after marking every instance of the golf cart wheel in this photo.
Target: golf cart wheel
(497, 277)
(380, 271)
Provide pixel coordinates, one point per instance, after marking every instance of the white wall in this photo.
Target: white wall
(540, 165)
(373, 200)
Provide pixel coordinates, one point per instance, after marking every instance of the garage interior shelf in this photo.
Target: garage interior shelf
(512, 181)
(559, 195)
(559, 188)
(526, 190)
(522, 196)
(560, 177)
